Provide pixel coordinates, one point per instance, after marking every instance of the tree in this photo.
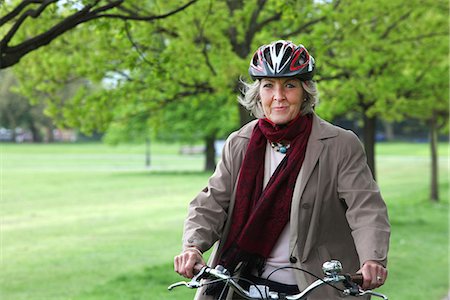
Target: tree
(58, 17)
(225, 49)
(219, 50)
(17, 112)
(364, 49)
(181, 77)
(145, 66)
(423, 89)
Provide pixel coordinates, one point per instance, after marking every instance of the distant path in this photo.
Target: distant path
(448, 297)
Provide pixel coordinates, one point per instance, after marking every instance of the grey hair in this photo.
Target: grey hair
(251, 101)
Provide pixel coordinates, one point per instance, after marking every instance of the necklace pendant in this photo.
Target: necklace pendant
(280, 147)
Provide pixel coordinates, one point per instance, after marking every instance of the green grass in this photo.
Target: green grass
(418, 259)
(89, 221)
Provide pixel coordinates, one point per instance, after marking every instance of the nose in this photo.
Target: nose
(278, 93)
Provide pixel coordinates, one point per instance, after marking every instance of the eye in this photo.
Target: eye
(267, 85)
(291, 85)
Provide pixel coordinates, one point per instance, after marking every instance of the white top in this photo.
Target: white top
(279, 257)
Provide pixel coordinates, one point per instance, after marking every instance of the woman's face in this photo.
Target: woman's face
(281, 99)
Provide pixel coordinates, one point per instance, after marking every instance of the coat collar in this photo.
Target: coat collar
(322, 129)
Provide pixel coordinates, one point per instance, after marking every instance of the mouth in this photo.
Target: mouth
(279, 108)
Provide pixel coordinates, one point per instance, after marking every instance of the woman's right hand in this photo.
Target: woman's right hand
(185, 263)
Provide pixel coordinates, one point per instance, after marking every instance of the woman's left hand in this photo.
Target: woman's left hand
(374, 275)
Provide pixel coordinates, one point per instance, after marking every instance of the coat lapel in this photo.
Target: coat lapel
(321, 130)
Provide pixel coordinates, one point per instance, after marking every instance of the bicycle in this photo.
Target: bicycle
(332, 270)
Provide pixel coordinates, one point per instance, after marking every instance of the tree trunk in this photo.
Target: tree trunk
(434, 189)
(369, 141)
(147, 152)
(50, 137)
(389, 130)
(35, 132)
(210, 154)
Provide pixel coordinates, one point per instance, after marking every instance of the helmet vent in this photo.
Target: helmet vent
(278, 47)
(268, 57)
(255, 59)
(301, 59)
(287, 55)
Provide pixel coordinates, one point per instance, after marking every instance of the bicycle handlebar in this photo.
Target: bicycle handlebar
(332, 270)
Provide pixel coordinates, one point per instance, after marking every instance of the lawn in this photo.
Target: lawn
(90, 221)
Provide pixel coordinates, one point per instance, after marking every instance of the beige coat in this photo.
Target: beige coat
(337, 210)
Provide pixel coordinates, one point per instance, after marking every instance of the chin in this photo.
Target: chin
(281, 121)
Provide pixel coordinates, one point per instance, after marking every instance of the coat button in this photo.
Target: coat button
(293, 259)
(306, 206)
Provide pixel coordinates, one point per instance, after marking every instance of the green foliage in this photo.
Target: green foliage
(188, 62)
(17, 112)
(178, 77)
(379, 51)
(12, 107)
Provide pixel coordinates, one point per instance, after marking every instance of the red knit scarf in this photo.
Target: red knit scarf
(259, 216)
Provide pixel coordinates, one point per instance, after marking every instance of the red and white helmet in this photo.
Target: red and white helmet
(282, 59)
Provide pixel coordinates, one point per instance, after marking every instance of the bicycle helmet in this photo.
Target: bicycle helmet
(282, 59)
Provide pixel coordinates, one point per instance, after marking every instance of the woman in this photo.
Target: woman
(291, 190)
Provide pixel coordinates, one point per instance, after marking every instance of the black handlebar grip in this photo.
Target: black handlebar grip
(198, 268)
(357, 278)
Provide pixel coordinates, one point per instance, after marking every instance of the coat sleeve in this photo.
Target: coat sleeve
(366, 210)
(208, 211)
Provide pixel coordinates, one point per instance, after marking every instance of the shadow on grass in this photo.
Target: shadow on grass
(161, 173)
(149, 284)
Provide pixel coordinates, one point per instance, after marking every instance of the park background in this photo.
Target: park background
(112, 113)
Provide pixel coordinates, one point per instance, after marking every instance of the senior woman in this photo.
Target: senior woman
(291, 190)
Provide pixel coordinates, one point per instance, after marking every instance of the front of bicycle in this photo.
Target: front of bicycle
(332, 271)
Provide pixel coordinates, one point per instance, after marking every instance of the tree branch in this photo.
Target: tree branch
(110, 5)
(10, 55)
(420, 37)
(147, 18)
(135, 46)
(202, 39)
(46, 37)
(345, 75)
(261, 25)
(243, 48)
(15, 12)
(34, 13)
(304, 27)
(252, 25)
(191, 90)
(395, 24)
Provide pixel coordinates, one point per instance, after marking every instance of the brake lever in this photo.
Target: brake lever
(193, 284)
(353, 289)
(372, 293)
(177, 284)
